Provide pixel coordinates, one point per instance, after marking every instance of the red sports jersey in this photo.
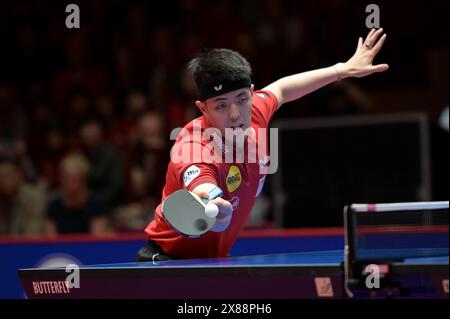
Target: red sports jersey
(241, 183)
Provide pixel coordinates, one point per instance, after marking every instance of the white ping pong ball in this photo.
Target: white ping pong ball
(211, 210)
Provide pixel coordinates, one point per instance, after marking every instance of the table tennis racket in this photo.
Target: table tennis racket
(185, 212)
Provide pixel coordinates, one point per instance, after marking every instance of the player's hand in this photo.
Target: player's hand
(361, 63)
(223, 219)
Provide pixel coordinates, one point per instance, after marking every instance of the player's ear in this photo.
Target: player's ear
(252, 88)
(201, 106)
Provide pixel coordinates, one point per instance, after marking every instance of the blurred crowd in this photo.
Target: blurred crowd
(85, 114)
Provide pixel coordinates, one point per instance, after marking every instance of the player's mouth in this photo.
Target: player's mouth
(235, 126)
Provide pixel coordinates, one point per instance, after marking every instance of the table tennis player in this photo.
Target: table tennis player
(227, 99)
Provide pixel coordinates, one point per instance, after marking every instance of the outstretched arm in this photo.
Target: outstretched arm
(359, 65)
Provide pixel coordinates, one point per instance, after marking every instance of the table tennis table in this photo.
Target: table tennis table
(317, 274)
(407, 253)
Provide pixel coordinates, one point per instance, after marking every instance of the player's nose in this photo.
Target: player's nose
(234, 112)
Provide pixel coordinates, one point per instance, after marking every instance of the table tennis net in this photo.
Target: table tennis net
(402, 232)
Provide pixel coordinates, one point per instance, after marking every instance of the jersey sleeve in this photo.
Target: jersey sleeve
(265, 104)
(191, 175)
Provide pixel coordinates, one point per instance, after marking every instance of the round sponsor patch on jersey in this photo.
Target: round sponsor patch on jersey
(234, 178)
(190, 174)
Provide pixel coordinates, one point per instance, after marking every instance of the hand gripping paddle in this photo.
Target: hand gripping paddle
(189, 214)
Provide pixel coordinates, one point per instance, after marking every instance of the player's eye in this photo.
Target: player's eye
(243, 99)
(220, 106)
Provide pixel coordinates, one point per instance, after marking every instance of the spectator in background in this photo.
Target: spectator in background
(13, 128)
(52, 152)
(21, 204)
(76, 109)
(107, 174)
(105, 107)
(179, 108)
(148, 153)
(150, 150)
(75, 209)
(122, 130)
(46, 141)
(79, 71)
(16, 147)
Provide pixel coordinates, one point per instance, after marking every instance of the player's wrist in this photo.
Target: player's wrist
(342, 71)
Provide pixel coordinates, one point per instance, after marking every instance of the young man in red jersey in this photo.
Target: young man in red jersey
(228, 101)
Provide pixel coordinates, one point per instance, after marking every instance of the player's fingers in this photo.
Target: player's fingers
(225, 207)
(221, 225)
(223, 219)
(360, 43)
(379, 44)
(372, 31)
(373, 38)
(201, 194)
(380, 68)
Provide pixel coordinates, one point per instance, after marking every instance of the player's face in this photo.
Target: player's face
(229, 110)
